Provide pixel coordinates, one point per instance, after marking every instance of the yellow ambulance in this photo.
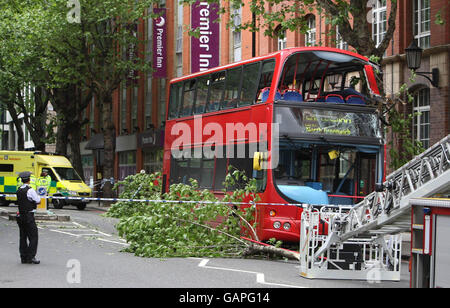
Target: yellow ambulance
(65, 181)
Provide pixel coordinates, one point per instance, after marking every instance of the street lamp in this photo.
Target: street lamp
(414, 59)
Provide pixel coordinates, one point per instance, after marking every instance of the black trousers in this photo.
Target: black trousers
(28, 236)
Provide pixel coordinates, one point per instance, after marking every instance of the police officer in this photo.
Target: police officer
(27, 199)
(44, 180)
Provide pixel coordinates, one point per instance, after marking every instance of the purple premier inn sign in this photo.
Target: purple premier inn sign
(205, 48)
(160, 44)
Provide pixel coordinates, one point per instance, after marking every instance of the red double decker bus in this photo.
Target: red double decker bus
(298, 120)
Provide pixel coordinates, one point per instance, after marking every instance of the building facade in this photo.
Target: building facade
(140, 109)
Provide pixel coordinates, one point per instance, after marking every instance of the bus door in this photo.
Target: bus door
(366, 174)
(348, 177)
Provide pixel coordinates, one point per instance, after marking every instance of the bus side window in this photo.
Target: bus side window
(232, 88)
(265, 79)
(175, 99)
(195, 169)
(220, 168)
(188, 97)
(178, 170)
(202, 95)
(207, 173)
(216, 91)
(242, 159)
(250, 82)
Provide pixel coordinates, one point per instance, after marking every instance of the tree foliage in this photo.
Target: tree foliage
(193, 224)
(68, 61)
(352, 17)
(23, 80)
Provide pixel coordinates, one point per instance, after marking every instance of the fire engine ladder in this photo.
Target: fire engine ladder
(384, 212)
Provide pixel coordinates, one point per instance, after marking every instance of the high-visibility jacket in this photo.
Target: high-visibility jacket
(44, 182)
(32, 182)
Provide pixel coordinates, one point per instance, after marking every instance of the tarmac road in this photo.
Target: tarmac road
(86, 253)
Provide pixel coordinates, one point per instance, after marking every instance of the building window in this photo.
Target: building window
(179, 40)
(421, 122)
(282, 40)
(87, 161)
(237, 35)
(134, 109)
(422, 22)
(379, 21)
(310, 37)
(123, 110)
(179, 64)
(153, 161)
(148, 86)
(340, 43)
(127, 164)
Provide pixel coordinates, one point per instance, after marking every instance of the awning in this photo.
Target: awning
(97, 142)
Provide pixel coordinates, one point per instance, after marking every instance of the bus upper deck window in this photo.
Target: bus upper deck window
(232, 88)
(202, 95)
(188, 97)
(175, 99)
(216, 91)
(249, 84)
(265, 79)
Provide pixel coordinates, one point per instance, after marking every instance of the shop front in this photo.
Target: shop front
(151, 142)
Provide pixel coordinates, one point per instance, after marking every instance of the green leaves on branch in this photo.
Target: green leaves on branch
(163, 229)
(403, 146)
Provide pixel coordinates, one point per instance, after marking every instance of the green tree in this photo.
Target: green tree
(352, 17)
(23, 81)
(100, 51)
(74, 59)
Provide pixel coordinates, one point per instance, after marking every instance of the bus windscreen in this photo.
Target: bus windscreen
(308, 121)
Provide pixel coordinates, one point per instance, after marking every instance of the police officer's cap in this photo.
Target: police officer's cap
(25, 175)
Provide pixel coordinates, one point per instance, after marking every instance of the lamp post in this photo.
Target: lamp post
(414, 59)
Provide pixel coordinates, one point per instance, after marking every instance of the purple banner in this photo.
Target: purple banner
(159, 44)
(205, 48)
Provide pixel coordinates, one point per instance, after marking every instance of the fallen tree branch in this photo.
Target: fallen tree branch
(272, 250)
(213, 229)
(275, 250)
(254, 247)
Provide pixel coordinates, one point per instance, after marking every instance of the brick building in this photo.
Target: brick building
(139, 110)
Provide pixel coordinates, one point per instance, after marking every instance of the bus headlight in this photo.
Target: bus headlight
(286, 226)
(272, 213)
(277, 225)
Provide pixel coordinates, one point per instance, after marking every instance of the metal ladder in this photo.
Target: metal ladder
(384, 212)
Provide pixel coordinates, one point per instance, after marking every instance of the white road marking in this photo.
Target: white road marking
(77, 231)
(83, 231)
(114, 242)
(260, 278)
